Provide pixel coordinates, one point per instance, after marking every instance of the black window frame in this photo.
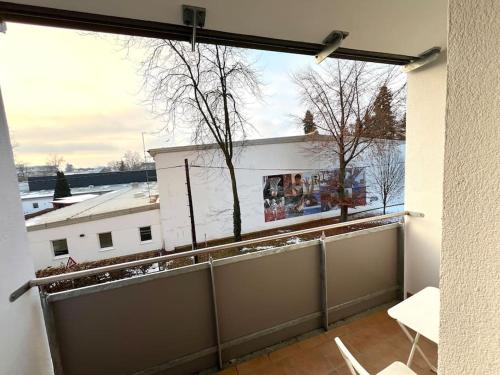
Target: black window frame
(101, 241)
(52, 242)
(145, 231)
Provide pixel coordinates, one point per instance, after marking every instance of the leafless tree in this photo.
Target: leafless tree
(206, 90)
(132, 160)
(340, 95)
(55, 161)
(387, 171)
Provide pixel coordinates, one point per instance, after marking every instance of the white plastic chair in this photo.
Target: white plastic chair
(396, 368)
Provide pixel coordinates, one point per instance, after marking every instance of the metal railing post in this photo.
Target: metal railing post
(48, 315)
(216, 314)
(401, 273)
(323, 282)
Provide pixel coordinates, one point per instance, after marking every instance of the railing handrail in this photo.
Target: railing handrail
(163, 258)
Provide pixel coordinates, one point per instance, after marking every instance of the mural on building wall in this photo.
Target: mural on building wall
(307, 193)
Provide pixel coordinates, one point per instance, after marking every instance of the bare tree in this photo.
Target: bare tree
(207, 90)
(55, 161)
(340, 95)
(132, 160)
(387, 171)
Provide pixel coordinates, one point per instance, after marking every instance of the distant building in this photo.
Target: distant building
(117, 223)
(47, 182)
(25, 171)
(36, 201)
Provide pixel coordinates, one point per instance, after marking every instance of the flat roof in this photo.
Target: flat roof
(250, 142)
(74, 191)
(129, 200)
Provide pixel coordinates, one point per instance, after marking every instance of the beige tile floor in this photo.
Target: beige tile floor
(375, 340)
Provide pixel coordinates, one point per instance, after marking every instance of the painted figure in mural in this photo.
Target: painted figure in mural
(274, 201)
(310, 192)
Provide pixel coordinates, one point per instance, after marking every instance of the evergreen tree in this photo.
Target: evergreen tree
(383, 121)
(62, 188)
(121, 166)
(308, 123)
(401, 128)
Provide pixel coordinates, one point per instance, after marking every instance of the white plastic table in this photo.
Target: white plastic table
(420, 313)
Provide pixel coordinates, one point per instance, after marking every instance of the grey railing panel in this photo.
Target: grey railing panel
(266, 291)
(362, 270)
(123, 330)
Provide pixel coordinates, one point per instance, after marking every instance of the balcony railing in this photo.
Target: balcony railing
(200, 316)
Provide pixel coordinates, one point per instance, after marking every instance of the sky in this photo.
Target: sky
(78, 95)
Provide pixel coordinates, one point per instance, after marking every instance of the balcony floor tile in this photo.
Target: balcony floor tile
(375, 340)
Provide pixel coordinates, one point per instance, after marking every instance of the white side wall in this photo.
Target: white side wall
(425, 118)
(470, 259)
(125, 233)
(23, 344)
(211, 189)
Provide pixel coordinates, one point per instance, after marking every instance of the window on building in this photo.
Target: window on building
(60, 247)
(35, 204)
(105, 240)
(145, 233)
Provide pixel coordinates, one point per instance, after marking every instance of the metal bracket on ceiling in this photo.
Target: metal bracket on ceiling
(194, 17)
(332, 42)
(423, 59)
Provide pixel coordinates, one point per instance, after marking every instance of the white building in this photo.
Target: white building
(117, 223)
(211, 187)
(36, 201)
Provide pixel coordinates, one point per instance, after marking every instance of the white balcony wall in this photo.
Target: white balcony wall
(425, 132)
(83, 240)
(23, 343)
(424, 173)
(470, 257)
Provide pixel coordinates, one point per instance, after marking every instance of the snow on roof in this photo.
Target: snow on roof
(134, 198)
(74, 191)
(74, 199)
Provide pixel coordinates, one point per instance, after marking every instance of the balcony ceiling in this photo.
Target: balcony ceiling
(405, 27)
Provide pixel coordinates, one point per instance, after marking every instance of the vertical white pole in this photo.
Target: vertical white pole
(23, 343)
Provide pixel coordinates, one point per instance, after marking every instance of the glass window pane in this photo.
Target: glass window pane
(105, 240)
(60, 247)
(145, 233)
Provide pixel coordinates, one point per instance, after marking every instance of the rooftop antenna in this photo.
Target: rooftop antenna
(332, 42)
(423, 59)
(194, 17)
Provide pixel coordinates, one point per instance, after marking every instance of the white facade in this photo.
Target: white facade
(211, 187)
(36, 202)
(83, 241)
(119, 214)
